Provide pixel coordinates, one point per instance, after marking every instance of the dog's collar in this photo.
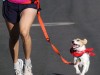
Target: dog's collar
(76, 53)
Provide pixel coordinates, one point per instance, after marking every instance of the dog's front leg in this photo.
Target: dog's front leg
(84, 69)
(76, 66)
(77, 69)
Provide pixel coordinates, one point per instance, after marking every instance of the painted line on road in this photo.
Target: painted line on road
(56, 24)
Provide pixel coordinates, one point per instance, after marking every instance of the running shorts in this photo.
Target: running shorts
(11, 11)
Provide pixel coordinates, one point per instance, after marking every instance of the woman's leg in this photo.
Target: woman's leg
(13, 40)
(14, 47)
(27, 18)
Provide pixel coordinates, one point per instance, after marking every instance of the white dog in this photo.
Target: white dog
(81, 55)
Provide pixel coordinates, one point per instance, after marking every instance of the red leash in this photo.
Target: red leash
(47, 36)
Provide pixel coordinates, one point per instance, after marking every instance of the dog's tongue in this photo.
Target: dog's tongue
(74, 45)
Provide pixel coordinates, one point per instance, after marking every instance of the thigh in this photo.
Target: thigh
(27, 18)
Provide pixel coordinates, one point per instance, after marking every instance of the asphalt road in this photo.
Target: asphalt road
(44, 60)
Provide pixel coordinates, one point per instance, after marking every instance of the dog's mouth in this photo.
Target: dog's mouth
(75, 45)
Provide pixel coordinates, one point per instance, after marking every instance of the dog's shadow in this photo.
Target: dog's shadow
(56, 74)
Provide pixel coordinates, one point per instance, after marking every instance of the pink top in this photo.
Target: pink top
(20, 1)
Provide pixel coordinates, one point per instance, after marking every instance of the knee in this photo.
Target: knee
(24, 34)
(14, 36)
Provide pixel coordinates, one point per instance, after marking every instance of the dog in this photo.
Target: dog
(81, 55)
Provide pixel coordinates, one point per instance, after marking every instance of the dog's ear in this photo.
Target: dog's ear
(85, 41)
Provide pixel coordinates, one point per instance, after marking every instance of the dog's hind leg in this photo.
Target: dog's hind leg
(77, 69)
(88, 64)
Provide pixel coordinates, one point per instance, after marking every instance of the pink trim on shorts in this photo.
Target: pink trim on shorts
(20, 1)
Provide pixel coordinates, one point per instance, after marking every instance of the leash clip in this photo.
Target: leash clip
(48, 39)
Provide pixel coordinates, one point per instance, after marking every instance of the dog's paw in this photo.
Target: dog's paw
(82, 74)
(78, 72)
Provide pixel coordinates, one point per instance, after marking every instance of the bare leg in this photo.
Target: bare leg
(27, 18)
(13, 40)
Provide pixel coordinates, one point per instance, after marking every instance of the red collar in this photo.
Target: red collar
(80, 53)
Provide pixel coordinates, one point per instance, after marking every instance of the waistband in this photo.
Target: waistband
(21, 1)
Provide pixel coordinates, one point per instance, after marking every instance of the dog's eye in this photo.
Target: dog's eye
(78, 40)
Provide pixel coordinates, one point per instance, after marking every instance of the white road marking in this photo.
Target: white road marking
(56, 24)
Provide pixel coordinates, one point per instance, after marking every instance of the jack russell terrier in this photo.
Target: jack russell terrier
(81, 55)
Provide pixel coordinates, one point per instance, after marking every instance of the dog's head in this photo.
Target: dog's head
(78, 43)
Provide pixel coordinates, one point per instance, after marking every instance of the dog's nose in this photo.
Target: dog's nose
(72, 41)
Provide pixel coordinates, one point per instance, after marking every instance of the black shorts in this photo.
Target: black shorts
(11, 11)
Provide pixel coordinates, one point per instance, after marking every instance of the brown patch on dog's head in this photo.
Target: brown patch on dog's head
(85, 41)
